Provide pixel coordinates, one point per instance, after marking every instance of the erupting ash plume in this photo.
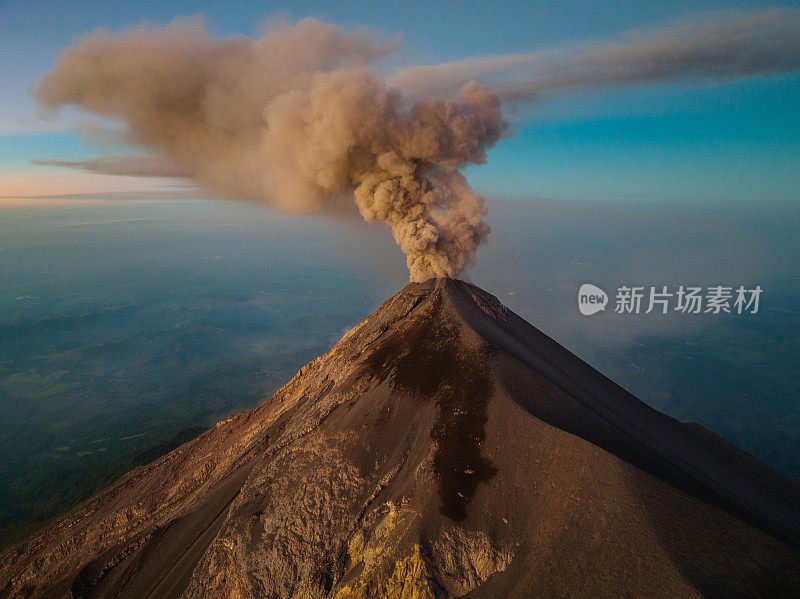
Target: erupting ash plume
(294, 119)
(297, 119)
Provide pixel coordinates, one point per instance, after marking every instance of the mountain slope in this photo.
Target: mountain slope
(444, 447)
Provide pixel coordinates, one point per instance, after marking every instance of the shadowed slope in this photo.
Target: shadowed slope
(600, 411)
(443, 447)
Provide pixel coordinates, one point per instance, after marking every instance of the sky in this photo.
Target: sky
(732, 140)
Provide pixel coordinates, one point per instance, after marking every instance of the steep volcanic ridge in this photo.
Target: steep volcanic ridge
(444, 447)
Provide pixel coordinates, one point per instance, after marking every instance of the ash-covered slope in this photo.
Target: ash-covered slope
(444, 447)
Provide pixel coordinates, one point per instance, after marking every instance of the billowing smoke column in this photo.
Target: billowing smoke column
(295, 119)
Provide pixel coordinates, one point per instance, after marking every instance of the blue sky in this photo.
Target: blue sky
(736, 140)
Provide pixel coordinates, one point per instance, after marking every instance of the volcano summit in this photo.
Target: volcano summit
(443, 448)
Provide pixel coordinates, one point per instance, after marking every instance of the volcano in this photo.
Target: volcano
(443, 448)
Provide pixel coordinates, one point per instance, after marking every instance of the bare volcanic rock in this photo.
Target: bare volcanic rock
(443, 448)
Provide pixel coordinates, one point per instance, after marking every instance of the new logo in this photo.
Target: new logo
(591, 299)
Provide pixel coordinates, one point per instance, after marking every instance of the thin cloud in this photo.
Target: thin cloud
(716, 47)
(130, 165)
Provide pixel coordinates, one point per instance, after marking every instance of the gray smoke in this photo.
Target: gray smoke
(294, 119)
(715, 47)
